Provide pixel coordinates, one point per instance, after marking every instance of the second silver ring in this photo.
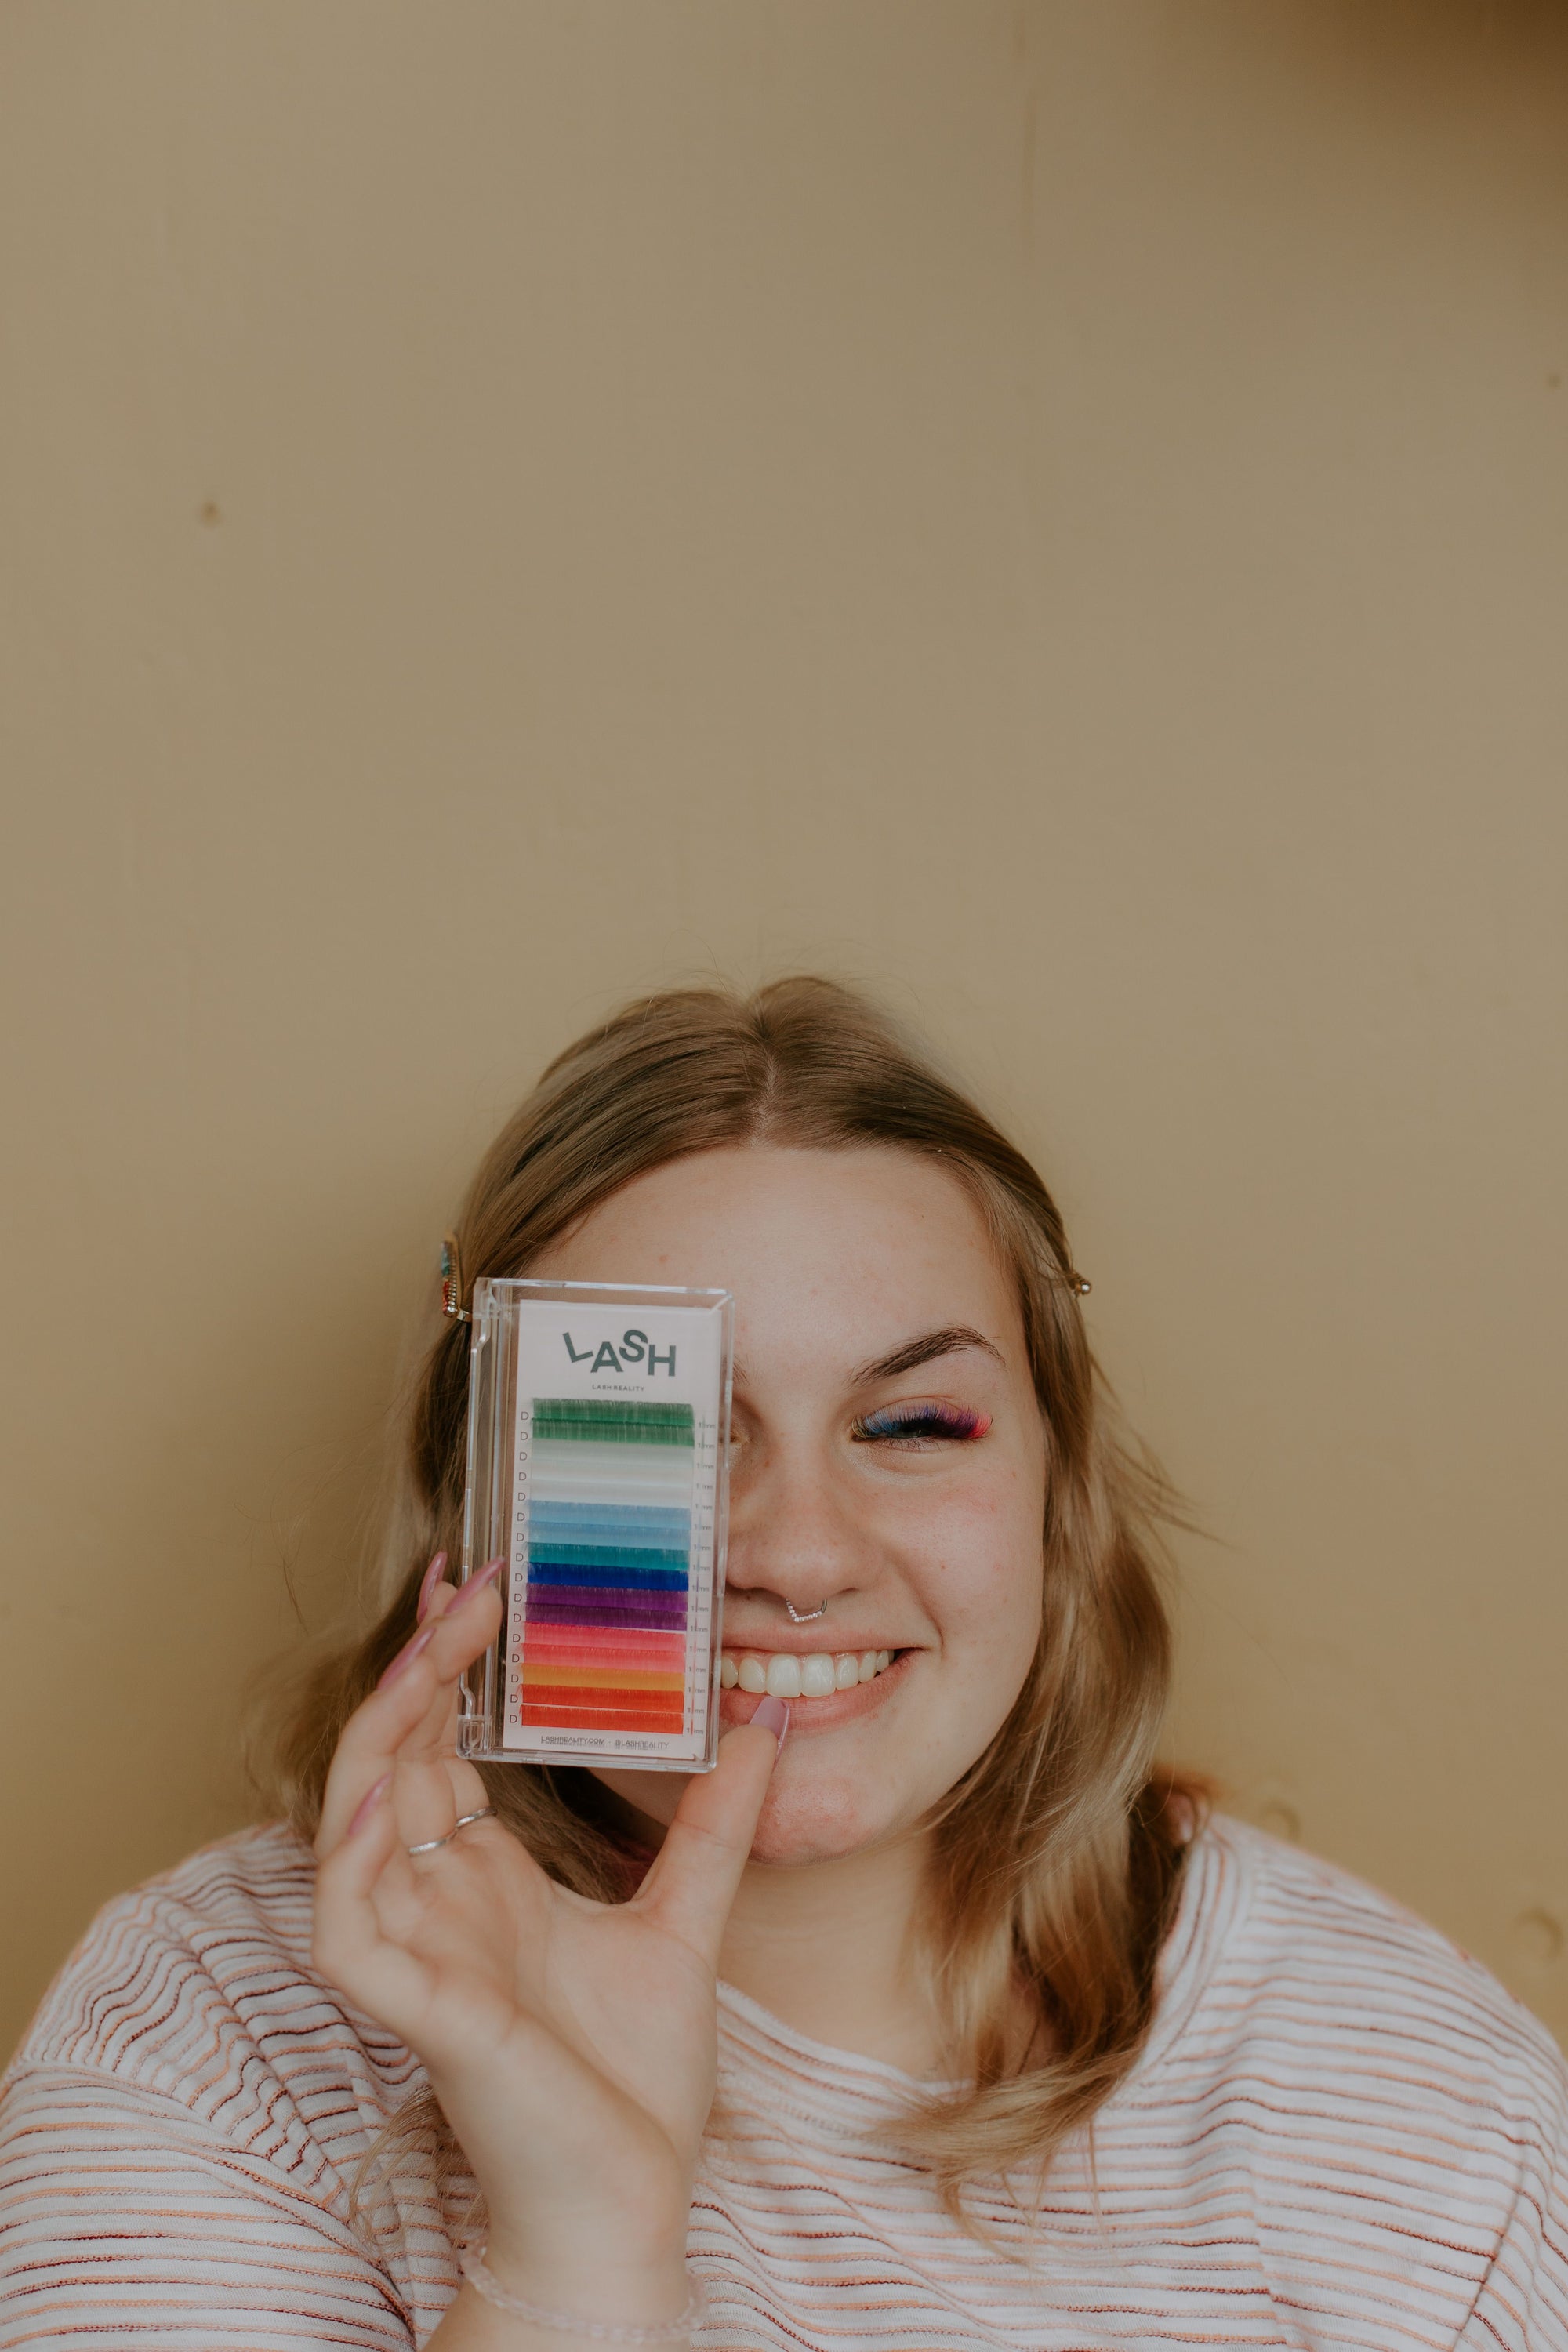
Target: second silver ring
(433, 1846)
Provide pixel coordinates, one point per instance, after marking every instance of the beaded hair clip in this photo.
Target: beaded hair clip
(452, 1281)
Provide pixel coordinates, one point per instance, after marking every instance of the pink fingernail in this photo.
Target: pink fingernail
(774, 1716)
(368, 1803)
(409, 1651)
(481, 1578)
(432, 1578)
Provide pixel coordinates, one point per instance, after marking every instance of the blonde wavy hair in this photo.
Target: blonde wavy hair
(1056, 1860)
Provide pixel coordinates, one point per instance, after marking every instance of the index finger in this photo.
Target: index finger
(393, 1723)
(692, 1884)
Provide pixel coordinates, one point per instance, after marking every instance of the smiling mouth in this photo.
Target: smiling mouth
(782, 1674)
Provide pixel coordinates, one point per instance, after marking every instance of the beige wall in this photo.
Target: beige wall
(1057, 508)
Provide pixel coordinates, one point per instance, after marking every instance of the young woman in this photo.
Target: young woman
(934, 2016)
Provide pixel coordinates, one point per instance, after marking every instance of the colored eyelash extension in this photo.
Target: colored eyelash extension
(597, 1465)
(922, 1421)
(605, 1631)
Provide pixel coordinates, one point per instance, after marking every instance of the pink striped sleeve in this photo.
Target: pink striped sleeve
(123, 2216)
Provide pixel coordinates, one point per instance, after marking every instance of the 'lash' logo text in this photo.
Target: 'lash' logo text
(632, 1349)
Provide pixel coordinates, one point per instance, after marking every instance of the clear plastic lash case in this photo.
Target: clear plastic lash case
(598, 1470)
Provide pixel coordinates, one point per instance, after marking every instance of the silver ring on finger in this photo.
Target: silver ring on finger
(432, 1845)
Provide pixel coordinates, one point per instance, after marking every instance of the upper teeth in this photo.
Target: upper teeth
(784, 1675)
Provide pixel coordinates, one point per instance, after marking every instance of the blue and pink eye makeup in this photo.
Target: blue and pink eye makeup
(921, 1421)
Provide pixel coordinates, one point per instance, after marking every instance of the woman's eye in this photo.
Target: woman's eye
(916, 1424)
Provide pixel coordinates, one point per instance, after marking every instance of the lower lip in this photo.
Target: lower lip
(807, 1715)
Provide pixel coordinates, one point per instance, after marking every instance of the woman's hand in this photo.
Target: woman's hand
(572, 2044)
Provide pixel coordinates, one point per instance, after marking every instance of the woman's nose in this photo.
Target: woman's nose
(793, 1536)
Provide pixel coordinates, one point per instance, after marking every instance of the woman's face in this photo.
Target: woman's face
(889, 1459)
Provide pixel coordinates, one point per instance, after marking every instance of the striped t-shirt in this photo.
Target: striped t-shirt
(1342, 2133)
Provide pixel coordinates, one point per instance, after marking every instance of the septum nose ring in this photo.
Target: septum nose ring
(797, 1617)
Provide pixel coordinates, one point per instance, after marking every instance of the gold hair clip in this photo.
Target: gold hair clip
(452, 1282)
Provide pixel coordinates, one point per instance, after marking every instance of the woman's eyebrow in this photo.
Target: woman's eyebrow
(948, 1342)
